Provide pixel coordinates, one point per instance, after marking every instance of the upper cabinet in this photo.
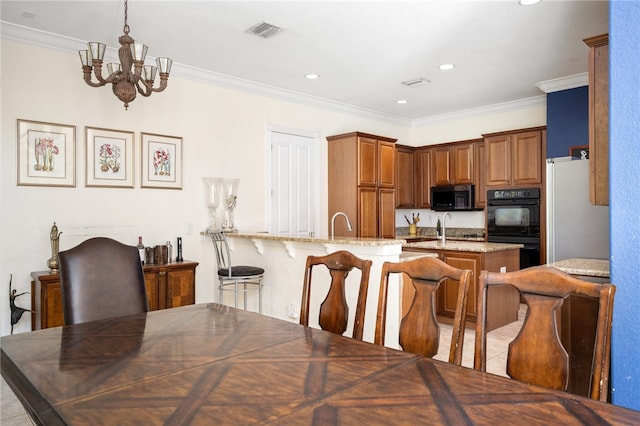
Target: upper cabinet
(362, 180)
(453, 164)
(480, 175)
(423, 177)
(514, 158)
(598, 119)
(405, 177)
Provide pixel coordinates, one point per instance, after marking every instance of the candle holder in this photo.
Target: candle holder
(53, 263)
(230, 195)
(213, 188)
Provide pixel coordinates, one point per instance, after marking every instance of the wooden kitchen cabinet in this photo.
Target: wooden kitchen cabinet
(480, 175)
(515, 158)
(362, 184)
(503, 302)
(168, 286)
(453, 164)
(423, 175)
(598, 119)
(441, 157)
(405, 177)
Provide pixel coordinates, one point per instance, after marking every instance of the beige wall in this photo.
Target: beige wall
(223, 133)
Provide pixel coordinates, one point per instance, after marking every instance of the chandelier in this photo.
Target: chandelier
(125, 81)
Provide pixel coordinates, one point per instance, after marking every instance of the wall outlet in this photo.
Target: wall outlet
(503, 269)
(293, 311)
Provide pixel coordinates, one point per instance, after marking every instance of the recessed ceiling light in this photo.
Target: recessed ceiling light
(528, 2)
(311, 76)
(447, 67)
(401, 101)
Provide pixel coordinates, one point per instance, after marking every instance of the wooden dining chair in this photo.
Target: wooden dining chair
(537, 354)
(101, 278)
(334, 310)
(419, 328)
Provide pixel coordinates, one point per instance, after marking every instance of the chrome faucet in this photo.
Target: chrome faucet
(444, 216)
(333, 223)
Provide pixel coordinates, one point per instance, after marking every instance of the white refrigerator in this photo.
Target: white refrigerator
(575, 228)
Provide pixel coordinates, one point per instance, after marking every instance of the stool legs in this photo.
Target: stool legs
(244, 289)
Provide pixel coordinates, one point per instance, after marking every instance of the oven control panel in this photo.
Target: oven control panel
(513, 193)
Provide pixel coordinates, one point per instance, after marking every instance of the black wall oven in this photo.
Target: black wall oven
(513, 216)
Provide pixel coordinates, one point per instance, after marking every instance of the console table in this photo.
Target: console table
(168, 286)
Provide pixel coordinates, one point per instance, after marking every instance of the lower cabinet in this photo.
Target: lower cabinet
(168, 286)
(502, 302)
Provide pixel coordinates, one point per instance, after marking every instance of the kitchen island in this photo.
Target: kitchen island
(284, 257)
(502, 302)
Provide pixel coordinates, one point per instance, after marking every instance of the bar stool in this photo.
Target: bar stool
(234, 278)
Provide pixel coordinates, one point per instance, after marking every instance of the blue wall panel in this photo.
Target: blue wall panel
(567, 120)
(624, 158)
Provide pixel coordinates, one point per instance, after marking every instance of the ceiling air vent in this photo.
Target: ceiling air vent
(264, 30)
(416, 83)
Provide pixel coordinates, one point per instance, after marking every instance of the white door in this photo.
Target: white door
(293, 191)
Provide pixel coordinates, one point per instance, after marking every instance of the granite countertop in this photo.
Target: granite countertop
(320, 240)
(406, 256)
(471, 246)
(585, 267)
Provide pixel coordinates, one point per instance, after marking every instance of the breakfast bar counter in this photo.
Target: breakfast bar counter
(283, 258)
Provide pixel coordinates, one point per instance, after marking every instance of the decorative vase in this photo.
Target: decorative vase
(213, 188)
(230, 194)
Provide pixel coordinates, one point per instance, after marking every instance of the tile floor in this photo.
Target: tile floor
(13, 414)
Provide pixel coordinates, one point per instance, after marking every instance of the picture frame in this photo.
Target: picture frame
(161, 161)
(579, 152)
(46, 154)
(110, 158)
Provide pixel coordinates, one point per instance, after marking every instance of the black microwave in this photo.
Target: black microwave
(453, 197)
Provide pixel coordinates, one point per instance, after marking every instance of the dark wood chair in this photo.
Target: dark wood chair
(419, 328)
(101, 278)
(334, 311)
(537, 354)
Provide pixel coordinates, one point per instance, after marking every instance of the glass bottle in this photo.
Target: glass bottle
(140, 247)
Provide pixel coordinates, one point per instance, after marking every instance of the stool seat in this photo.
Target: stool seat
(240, 271)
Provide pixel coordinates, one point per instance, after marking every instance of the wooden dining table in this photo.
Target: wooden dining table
(212, 364)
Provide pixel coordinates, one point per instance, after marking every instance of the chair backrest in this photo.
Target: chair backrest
(334, 311)
(101, 278)
(221, 247)
(419, 329)
(537, 355)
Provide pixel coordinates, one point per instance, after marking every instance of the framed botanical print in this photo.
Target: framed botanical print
(109, 157)
(46, 154)
(161, 161)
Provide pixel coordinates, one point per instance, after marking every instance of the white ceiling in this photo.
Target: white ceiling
(362, 50)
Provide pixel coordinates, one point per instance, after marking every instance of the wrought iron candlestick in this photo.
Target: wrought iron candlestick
(53, 262)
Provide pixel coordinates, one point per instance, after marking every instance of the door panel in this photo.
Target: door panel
(293, 183)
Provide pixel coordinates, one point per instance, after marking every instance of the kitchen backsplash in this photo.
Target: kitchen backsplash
(430, 232)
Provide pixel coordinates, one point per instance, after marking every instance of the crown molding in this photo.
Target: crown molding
(67, 44)
(564, 83)
(501, 107)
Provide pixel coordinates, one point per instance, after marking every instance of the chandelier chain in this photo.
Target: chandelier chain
(126, 15)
